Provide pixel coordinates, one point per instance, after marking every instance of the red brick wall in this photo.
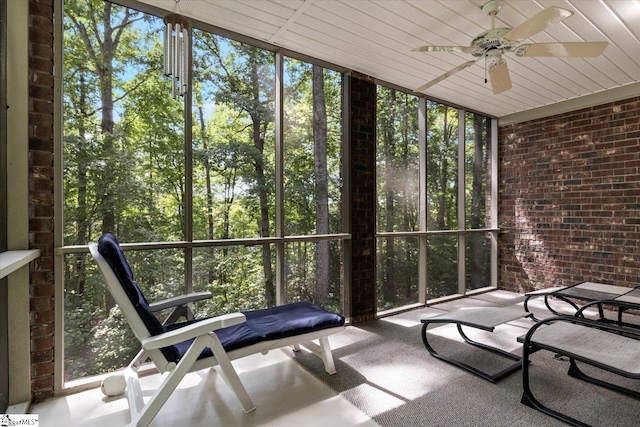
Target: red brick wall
(569, 198)
(363, 198)
(41, 195)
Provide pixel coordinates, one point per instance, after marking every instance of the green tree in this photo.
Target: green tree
(243, 77)
(105, 35)
(398, 174)
(478, 254)
(322, 185)
(442, 196)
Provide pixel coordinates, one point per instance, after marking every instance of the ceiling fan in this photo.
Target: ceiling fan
(491, 44)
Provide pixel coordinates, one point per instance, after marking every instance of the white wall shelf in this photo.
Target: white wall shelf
(10, 261)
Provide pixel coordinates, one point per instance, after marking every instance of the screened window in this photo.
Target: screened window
(190, 185)
(124, 167)
(435, 235)
(397, 178)
(477, 197)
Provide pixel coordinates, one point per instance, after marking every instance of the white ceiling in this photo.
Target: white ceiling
(375, 37)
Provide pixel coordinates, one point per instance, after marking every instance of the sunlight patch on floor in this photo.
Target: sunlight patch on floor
(284, 394)
(407, 323)
(375, 401)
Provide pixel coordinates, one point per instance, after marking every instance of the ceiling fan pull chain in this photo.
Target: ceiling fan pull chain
(485, 69)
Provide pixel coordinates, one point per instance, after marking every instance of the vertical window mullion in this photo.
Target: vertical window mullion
(58, 168)
(494, 202)
(188, 167)
(279, 179)
(461, 203)
(347, 227)
(422, 210)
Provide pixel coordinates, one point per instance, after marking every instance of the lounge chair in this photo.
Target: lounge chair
(180, 348)
(483, 318)
(605, 345)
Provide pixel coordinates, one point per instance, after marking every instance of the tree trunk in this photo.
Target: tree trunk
(389, 287)
(444, 171)
(477, 200)
(322, 185)
(258, 142)
(207, 171)
(270, 291)
(105, 68)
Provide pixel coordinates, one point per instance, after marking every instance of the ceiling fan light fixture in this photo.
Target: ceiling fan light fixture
(499, 76)
(494, 57)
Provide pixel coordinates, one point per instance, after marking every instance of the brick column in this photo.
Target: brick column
(41, 196)
(363, 197)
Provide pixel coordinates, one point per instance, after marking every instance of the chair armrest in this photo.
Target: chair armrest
(192, 331)
(179, 300)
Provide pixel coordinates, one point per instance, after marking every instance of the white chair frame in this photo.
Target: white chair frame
(204, 333)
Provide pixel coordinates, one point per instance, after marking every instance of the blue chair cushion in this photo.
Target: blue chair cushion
(265, 325)
(291, 319)
(110, 249)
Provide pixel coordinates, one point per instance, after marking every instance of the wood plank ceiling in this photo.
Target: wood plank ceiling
(375, 37)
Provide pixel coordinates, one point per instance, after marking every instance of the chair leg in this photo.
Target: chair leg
(529, 399)
(324, 352)
(134, 397)
(576, 372)
(229, 374)
(137, 361)
(327, 356)
(493, 378)
(144, 414)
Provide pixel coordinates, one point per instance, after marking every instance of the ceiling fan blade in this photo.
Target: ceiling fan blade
(463, 49)
(445, 75)
(540, 22)
(569, 49)
(499, 76)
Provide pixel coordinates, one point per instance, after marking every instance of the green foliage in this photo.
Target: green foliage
(442, 167)
(397, 168)
(125, 163)
(80, 314)
(112, 343)
(397, 171)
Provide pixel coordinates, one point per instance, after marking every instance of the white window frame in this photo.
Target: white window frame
(423, 233)
(279, 239)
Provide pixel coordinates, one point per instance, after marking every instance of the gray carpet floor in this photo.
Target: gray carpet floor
(385, 371)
